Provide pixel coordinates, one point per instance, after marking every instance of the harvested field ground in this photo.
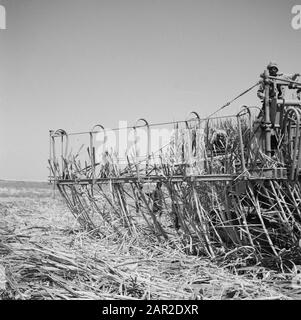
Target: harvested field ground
(44, 254)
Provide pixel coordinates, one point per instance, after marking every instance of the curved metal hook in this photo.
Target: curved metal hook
(92, 152)
(141, 119)
(146, 124)
(60, 133)
(192, 139)
(99, 126)
(196, 114)
(246, 110)
(91, 135)
(243, 111)
(188, 118)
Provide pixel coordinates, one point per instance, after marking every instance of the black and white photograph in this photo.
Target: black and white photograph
(150, 151)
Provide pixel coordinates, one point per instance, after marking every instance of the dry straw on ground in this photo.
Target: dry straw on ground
(46, 255)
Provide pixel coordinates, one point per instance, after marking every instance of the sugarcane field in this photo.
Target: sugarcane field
(150, 151)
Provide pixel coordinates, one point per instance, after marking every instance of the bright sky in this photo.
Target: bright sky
(73, 63)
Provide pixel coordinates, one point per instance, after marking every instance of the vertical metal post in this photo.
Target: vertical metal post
(190, 142)
(92, 162)
(148, 143)
(208, 162)
(93, 149)
(136, 152)
(92, 155)
(50, 153)
(54, 157)
(54, 165)
(188, 154)
(267, 120)
(243, 162)
(148, 148)
(176, 142)
(62, 154)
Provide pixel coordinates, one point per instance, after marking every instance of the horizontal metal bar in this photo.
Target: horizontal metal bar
(144, 179)
(267, 174)
(289, 102)
(150, 125)
(285, 81)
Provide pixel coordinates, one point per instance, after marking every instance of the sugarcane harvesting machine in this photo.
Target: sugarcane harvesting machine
(219, 183)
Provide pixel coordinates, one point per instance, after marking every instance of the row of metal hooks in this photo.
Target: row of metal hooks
(140, 123)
